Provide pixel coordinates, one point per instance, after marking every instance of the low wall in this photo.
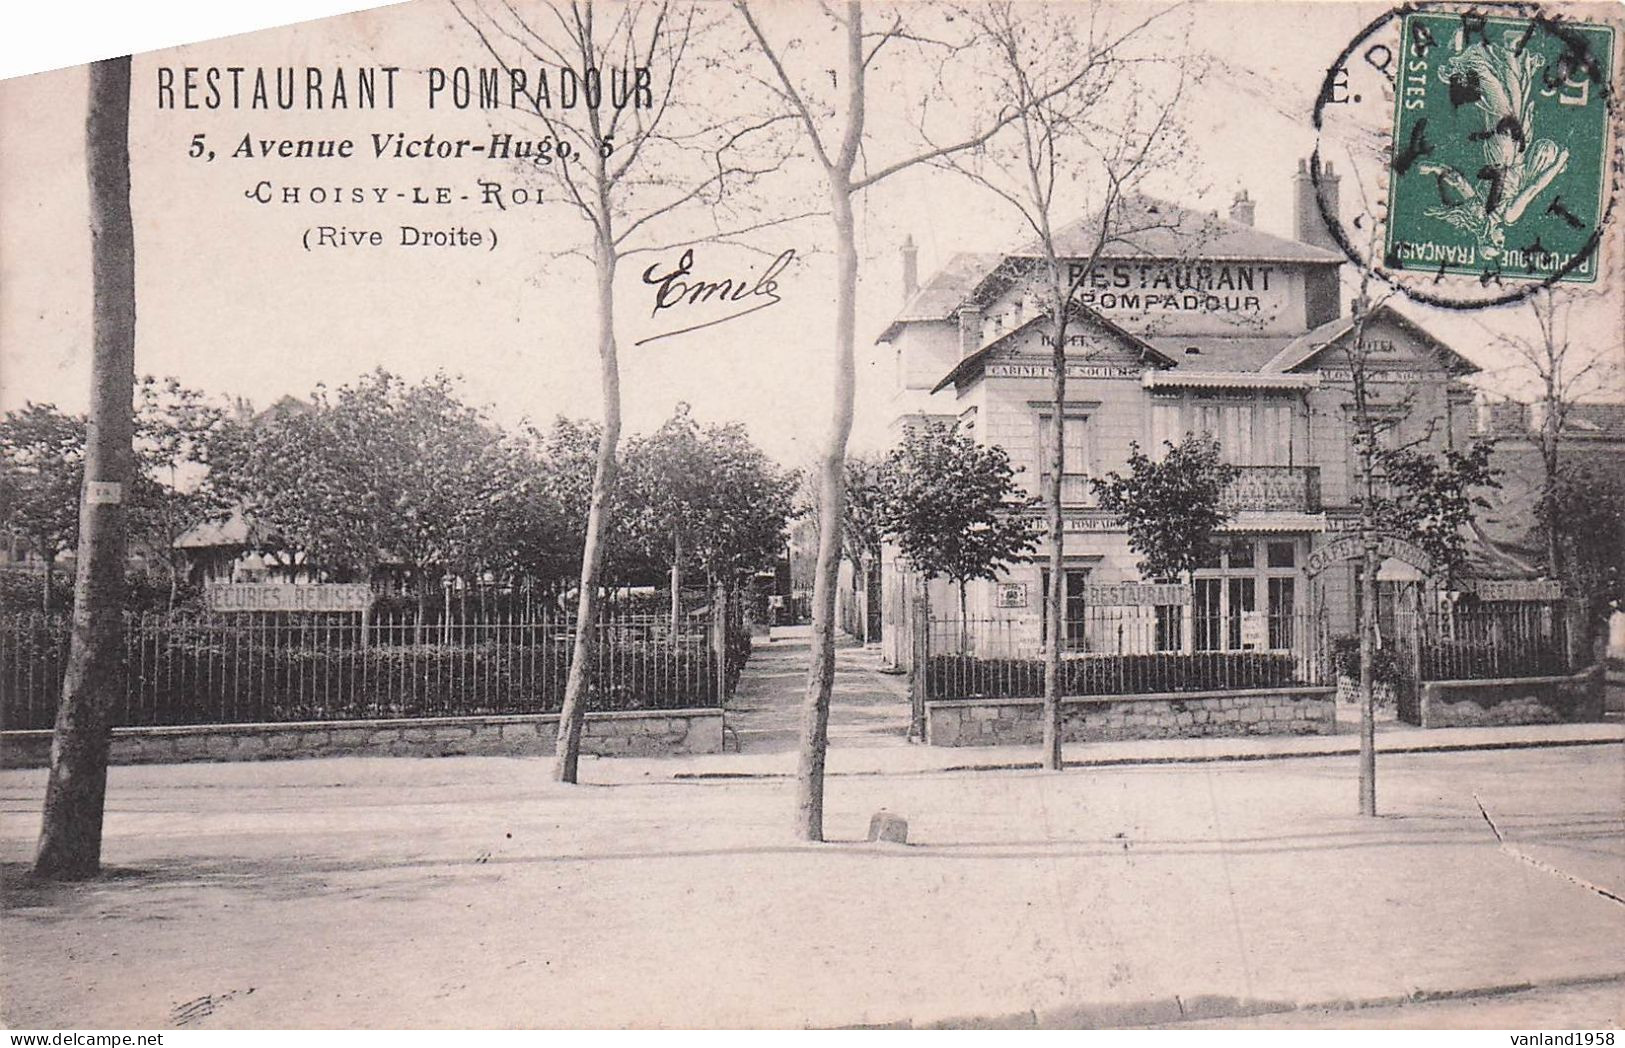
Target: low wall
(1527, 700)
(1168, 715)
(636, 733)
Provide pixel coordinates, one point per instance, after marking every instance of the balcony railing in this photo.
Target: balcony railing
(1291, 489)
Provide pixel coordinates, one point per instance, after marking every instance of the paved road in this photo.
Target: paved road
(475, 892)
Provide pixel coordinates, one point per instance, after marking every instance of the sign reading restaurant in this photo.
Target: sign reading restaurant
(1151, 287)
(287, 596)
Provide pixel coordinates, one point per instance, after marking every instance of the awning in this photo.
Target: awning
(1274, 522)
(1176, 378)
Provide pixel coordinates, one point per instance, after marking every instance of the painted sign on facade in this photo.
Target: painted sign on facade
(1008, 370)
(1351, 547)
(287, 596)
(1012, 595)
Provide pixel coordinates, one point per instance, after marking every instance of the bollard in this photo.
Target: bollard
(884, 826)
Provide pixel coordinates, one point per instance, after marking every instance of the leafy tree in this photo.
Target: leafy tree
(1585, 510)
(1431, 498)
(664, 489)
(955, 510)
(42, 451)
(1171, 508)
(378, 468)
(642, 177)
(174, 429)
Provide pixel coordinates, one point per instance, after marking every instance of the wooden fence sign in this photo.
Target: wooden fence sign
(1137, 594)
(1352, 547)
(287, 596)
(1516, 589)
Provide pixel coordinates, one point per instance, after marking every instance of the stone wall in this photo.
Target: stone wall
(1529, 700)
(1171, 715)
(640, 733)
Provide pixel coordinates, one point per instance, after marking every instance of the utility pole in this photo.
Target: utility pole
(70, 843)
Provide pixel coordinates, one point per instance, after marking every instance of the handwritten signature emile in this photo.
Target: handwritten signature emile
(675, 288)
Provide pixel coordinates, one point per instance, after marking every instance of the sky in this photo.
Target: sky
(229, 299)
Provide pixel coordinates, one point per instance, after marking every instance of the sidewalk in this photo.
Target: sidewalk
(869, 727)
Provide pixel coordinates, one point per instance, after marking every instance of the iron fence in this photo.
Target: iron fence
(190, 668)
(1487, 641)
(1122, 651)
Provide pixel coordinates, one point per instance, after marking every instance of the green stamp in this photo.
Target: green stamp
(1500, 147)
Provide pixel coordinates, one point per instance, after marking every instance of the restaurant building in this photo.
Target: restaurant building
(1196, 323)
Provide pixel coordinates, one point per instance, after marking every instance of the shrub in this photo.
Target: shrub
(967, 676)
(1386, 666)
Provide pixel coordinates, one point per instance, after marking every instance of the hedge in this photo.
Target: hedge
(967, 676)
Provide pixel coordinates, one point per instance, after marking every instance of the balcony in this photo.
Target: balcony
(1279, 489)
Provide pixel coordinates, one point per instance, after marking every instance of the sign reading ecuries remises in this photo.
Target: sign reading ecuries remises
(287, 596)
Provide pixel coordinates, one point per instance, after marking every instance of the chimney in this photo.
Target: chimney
(1241, 210)
(1308, 225)
(970, 330)
(911, 269)
(1320, 283)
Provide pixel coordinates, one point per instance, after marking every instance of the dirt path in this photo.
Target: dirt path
(869, 708)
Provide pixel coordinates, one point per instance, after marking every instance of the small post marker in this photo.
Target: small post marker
(884, 826)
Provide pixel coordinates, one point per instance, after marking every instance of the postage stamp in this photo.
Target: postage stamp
(1500, 147)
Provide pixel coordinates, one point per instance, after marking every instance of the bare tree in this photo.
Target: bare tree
(1563, 373)
(835, 122)
(644, 176)
(1084, 108)
(70, 843)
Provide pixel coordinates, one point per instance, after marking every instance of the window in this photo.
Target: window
(1075, 478)
(1073, 610)
(1205, 614)
(1258, 430)
(1282, 596)
(1228, 588)
(1243, 599)
(1170, 627)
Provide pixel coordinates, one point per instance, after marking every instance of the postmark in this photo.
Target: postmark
(1479, 152)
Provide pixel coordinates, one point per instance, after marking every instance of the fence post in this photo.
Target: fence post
(920, 656)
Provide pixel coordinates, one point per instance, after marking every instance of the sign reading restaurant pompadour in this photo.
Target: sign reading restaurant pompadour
(1351, 547)
(287, 596)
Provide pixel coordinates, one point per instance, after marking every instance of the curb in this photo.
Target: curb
(1165, 1011)
(1217, 758)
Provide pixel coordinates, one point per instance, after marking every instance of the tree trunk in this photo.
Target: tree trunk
(573, 714)
(70, 842)
(50, 578)
(964, 621)
(832, 497)
(1055, 599)
(676, 584)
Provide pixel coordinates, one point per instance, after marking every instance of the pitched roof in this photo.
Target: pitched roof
(235, 530)
(1301, 349)
(968, 365)
(1151, 228)
(1218, 352)
(943, 293)
(1148, 229)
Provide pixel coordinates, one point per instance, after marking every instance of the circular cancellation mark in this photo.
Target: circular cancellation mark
(1476, 150)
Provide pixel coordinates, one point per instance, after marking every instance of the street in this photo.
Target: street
(476, 892)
